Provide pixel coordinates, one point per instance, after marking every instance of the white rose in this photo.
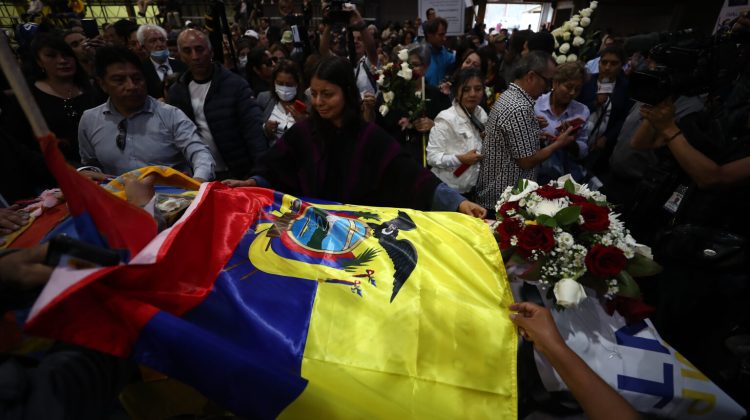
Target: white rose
(586, 12)
(403, 55)
(488, 91)
(565, 27)
(404, 73)
(388, 97)
(644, 250)
(564, 48)
(566, 36)
(569, 293)
(561, 59)
(557, 32)
(585, 22)
(578, 31)
(576, 18)
(381, 80)
(383, 110)
(578, 41)
(418, 94)
(575, 23)
(593, 5)
(387, 66)
(572, 58)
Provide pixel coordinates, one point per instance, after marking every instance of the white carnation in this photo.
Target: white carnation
(578, 31)
(566, 36)
(586, 12)
(561, 59)
(383, 110)
(585, 22)
(548, 207)
(564, 48)
(388, 97)
(565, 240)
(578, 41)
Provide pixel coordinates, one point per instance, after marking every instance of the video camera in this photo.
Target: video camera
(339, 11)
(686, 64)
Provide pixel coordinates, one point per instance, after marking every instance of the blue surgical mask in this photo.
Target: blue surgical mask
(286, 93)
(160, 56)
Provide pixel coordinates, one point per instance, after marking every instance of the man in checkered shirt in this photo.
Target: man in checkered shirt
(511, 147)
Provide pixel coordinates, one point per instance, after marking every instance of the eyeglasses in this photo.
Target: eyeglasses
(122, 135)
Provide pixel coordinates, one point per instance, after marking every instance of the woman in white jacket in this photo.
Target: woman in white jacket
(454, 150)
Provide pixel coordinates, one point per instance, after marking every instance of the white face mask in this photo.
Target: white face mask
(243, 61)
(286, 93)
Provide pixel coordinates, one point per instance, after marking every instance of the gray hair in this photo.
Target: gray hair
(141, 34)
(536, 61)
(423, 52)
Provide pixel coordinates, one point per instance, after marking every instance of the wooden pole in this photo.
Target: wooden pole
(17, 82)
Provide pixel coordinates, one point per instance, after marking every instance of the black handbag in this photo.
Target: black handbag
(703, 247)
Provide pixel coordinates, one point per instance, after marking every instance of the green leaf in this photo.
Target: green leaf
(641, 266)
(628, 286)
(569, 187)
(545, 220)
(568, 215)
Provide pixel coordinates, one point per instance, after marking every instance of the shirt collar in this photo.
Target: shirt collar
(523, 93)
(148, 107)
(157, 65)
(543, 102)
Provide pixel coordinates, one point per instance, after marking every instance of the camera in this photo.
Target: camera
(686, 64)
(339, 11)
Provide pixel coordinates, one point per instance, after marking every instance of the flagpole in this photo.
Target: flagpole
(424, 136)
(17, 82)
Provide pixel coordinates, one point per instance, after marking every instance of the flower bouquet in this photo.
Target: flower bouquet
(570, 42)
(566, 236)
(400, 90)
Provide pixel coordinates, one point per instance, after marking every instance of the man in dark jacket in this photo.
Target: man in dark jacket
(222, 106)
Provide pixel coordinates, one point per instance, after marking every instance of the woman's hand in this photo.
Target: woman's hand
(543, 123)
(472, 209)
(535, 324)
(469, 158)
(239, 183)
(97, 176)
(11, 220)
(424, 124)
(270, 128)
(368, 106)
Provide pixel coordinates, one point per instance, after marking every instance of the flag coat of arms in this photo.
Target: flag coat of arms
(276, 307)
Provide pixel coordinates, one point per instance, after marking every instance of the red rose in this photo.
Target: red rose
(549, 192)
(595, 217)
(576, 199)
(509, 227)
(535, 238)
(507, 206)
(605, 261)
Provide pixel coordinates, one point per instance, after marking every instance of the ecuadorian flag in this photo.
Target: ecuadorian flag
(276, 307)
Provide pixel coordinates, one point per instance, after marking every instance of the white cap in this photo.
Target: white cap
(252, 34)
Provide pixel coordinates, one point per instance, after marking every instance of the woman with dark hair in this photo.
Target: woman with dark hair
(456, 139)
(560, 110)
(514, 52)
(61, 88)
(279, 111)
(335, 155)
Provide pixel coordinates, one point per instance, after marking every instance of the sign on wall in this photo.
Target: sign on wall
(450, 10)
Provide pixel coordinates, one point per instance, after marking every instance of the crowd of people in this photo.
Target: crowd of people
(295, 107)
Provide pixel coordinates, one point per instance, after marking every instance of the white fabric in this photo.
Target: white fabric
(452, 135)
(632, 360)
(198, 93)
(284, 118)
(364, 84)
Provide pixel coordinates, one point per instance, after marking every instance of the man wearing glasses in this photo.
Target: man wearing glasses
(132, 130)
(511, 147)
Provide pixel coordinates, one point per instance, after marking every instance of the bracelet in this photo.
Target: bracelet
(673, 137)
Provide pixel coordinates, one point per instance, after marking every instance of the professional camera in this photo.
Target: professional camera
(686, 64)
(339, 11)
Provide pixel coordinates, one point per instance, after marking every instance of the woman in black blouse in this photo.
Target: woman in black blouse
(61, 88)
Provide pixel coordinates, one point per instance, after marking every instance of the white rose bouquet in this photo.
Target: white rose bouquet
(566, 236)
(398, 87)
(571, 42)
